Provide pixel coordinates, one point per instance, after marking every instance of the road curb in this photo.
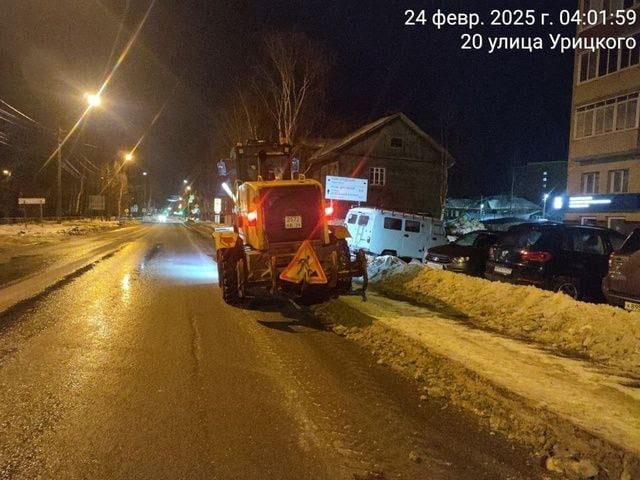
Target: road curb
(563, 446)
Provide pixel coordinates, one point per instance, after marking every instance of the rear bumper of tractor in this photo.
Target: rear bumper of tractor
(265, 268)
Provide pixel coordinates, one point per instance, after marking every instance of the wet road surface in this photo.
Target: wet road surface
(137, 369)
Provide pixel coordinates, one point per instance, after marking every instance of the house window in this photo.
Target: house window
(618, 181)
(610, 6)
(589, 221)
(614, 114)
(396, 142)
(377, 176)
(590, 182)
(602, 62)
(331, 169)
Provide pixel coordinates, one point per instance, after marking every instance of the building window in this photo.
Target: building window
(589, 221)
(618, 224)
(614, 114)
(377, 176)
(618, 181)
(590, 182)
(610, 6)
(602, 62)
(396, 142)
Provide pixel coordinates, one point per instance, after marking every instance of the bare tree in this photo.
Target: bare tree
(288, 80)
(244, 117)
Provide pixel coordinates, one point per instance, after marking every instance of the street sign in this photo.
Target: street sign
(31, 201)
(345, 188)
(305, 266)
(97, 202)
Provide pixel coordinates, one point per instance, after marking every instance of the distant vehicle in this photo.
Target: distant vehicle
(563, 258)
(382, 232)
(468, 254)
(621, 286)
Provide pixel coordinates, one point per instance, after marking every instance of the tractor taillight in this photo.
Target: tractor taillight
(328, 211)
(252, 218)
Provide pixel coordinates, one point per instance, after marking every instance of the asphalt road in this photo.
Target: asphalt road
(136, 369)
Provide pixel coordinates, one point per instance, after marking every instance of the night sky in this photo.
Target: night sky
(502, 108)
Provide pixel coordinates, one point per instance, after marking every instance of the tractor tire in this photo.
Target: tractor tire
(228, 262)
(344, 285)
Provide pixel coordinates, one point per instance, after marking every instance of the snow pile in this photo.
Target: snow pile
(599, 332)
(20, 234)
(381, 268)
(78, 227)
(463, 225)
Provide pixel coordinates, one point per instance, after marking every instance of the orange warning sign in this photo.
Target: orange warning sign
(305, 266)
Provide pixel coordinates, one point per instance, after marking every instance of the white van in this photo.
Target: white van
(382, 232)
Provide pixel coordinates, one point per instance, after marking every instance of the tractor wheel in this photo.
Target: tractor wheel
(228, 263)
(344, 260)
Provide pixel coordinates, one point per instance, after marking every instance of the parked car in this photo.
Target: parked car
(382, 232)
(563, 258)
(621, 286)
(468, 254)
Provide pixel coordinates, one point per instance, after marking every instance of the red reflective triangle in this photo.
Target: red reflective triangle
(305, 266)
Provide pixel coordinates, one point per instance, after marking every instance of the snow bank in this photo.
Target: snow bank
(599, 332)
(54, 229)
(463, 225)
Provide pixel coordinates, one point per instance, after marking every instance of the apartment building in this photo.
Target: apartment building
(603, 185)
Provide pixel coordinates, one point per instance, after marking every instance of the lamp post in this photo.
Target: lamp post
(93, 100)
(187, 191)
(544, 205)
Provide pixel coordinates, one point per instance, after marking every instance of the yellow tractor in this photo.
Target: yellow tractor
(282, 240)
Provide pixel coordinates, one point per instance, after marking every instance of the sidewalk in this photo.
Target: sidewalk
(548, 387)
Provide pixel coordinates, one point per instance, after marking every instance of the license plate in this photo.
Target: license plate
(632, 306)
(435, 266)
(503, 270)
(293, 222)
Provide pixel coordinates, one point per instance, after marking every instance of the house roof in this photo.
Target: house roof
(335, 146)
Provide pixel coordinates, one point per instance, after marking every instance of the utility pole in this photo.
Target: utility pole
(513, 181)
(59, 177)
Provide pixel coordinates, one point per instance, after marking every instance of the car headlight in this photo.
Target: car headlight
(460, 260)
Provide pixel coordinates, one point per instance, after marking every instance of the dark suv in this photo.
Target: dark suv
(621, 286)
(563, 258)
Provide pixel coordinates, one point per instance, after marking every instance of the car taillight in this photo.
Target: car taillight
(328, 211)
(252, 218)
(541, 257)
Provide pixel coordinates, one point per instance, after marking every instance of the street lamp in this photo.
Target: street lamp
(93, 100)
(544, 205)
(128, 157)
(188, 188)
(144, 174)
(185, 181)
(6, 172)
